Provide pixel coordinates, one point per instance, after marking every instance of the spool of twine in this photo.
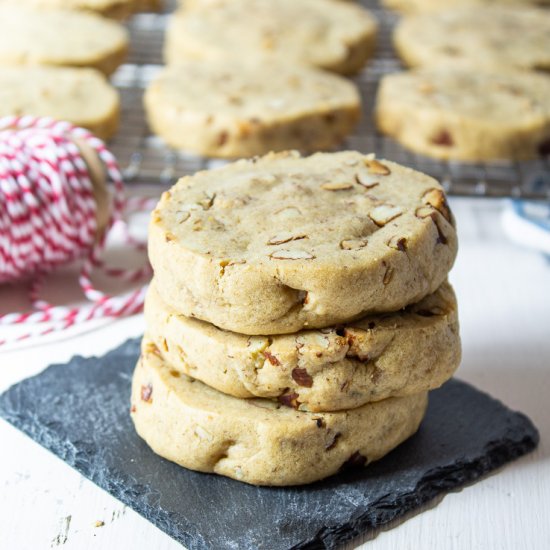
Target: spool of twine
(55, 209)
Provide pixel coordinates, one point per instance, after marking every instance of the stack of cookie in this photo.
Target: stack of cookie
(299, 314)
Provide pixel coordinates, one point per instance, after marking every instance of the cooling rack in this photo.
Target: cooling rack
(145, 159)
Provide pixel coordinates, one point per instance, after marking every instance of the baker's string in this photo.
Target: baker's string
(48, 218)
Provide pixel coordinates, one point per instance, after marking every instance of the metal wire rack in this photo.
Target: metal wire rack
(146, 159)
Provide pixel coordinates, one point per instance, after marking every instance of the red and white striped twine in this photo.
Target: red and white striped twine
(48, 218)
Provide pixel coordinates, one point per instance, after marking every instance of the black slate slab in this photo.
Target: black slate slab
(79, 411)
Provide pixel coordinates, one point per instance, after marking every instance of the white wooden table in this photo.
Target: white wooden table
(504, 296)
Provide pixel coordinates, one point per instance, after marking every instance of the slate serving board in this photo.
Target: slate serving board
(79, 411)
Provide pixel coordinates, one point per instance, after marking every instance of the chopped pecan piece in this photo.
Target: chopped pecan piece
(388, 275)
(336, 186)
(437, 199)
(434, 312)
(443, 138)
(332, 444)
(291, 255)
(182, 216)
(376, 167)
(281, 239)
(222, 139)
(271, 358)
(356, 460)
(207, 201)
(398, 243)
(302, 377)
(366, 184)
(289, 400)
(384, 213)
(353, 244)
(147, 393)
(428, 212)
(441, 238)
(152, 349)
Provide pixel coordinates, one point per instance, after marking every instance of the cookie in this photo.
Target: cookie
(329, 34)
(466, 114)
(396, 354)
(114, 9)
(257, 440)
(235, 108)
(417, 6)
(276, 244)
(80, 96)
(60, 37)
(491, 38)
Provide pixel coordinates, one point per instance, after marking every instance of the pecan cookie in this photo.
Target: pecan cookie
(490, 37)
(257, 440)
(396, 354)
(467, 114)
(60, 37)
(329, 34)
(237, 109)
(417, 6)
(283, 242)
(80, 96)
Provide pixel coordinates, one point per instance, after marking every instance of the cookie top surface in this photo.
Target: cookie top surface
(506, 98)
(246, 90)
(304, 237)
(489, 37)
(326, 31)
(80, 96)
(57, 37)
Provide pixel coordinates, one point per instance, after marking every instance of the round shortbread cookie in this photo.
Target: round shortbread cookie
(276, 244)
(329, 34)
(114, 9)
(390, 355)
(418, 6)
(492, 38)
(466, 114)
(80, 96)
(237, 109)
(60, 37)
(259, 441)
